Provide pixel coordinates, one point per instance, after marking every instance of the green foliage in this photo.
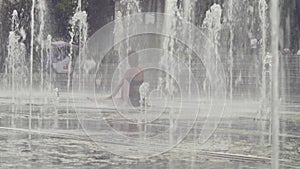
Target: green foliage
(64, 6)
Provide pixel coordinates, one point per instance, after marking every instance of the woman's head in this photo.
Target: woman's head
(133, 59)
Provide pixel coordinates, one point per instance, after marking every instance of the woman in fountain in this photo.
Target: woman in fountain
(130, 83)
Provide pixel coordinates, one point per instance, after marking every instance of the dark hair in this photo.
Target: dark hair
(133, 58)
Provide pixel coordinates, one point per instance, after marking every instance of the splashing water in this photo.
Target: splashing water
(41, 8)
(49, 62)
(262, 15)
(124, 8)
(231, 20)
(15, 62)
(189, 16)
(275, 97)
(31, 63)
(79, 28)
(20, 78)
(212, 23)
(168, 44)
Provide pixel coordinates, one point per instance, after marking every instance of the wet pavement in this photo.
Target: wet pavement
(53, 136)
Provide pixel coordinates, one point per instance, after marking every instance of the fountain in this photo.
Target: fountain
(31, 65)
(233, 35)
(15, 66)
(275, 89)
(124, 8)
(231, 20)
(48, 64)
(168, 44)
(41, 8)
(189, 16)
(212, 23)
(265, 59)
(78, 35)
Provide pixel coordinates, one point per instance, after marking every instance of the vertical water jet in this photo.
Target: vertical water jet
(274, 14)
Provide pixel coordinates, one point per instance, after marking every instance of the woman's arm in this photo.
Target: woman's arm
(116, 90)
(128, 75)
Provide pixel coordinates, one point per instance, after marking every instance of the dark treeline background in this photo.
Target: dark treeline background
(100, 12)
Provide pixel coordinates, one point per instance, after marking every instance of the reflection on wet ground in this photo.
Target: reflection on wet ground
(53, 137)
(18, 151)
